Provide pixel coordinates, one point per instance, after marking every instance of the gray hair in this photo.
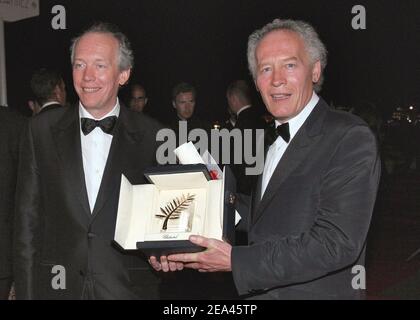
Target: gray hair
(314, 46)
(125, 54)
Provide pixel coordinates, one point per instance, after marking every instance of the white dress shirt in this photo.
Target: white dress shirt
(95, 150)
(278, 148)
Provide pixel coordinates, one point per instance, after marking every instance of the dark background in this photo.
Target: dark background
(204, 42)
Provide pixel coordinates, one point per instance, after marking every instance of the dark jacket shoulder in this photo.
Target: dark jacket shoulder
(343, 119)
(10, 119)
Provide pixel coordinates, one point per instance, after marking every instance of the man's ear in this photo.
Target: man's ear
(316, 72)
(124, 76)
(173, 104)
(145, 101)
(32, 105)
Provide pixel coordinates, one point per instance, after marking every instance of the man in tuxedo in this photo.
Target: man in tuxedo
(188, 284)
(10, 129)
(69, 181)
(245, 117)
(312, 207)
(239, 98)
(49, 90)
(183, 101)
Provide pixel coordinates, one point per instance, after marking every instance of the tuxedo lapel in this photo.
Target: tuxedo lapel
(256, 198)
(66, 135)
(126, 134)
(257, 191)
(297, 151)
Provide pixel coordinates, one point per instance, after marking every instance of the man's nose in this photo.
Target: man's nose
(89, 74)
(278, 77)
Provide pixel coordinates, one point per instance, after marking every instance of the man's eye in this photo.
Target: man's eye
(101, 66)
(265, 69)
(78, 65)
(290, 65)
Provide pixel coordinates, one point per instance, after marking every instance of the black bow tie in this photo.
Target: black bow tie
(272, 133)
(107, 124)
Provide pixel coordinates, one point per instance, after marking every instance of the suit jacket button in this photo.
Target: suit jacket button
(81, 273)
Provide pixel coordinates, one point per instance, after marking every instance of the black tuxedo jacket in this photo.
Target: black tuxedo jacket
(54, 225)
(247, 119)
(50, 107)
(310, 227)
(10, 129)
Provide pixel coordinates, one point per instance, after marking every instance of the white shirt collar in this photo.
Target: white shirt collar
(296, 122)
(49, 103)
(83, 113)
(242, 109)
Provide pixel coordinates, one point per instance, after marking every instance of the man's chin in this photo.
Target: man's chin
(88, 106)
(280, 116)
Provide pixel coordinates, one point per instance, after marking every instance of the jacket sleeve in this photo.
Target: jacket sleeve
(27, 218)
(336, 238)
(8, 169)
